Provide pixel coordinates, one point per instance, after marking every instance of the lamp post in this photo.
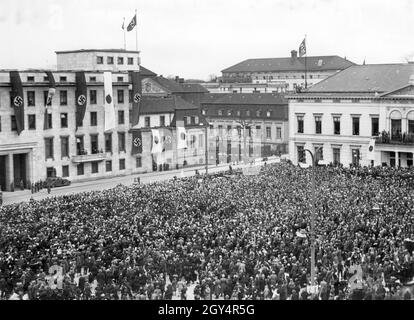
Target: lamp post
(312, 226)
(206, 144)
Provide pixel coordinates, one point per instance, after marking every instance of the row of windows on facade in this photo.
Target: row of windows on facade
(119, 60)
(336, 152)
(65, 79)
(80, 146)
(337, 125)
(249, 131)
(31, 120)
(265, 77)
(80, 168)
(229, 113)
(63, 97)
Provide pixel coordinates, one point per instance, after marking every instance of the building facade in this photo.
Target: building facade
(246, 126)
(52, 145)
(283, 73)
(341, 117)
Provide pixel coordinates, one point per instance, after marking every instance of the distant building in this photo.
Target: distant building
(285, 74)
(50, 145)
(242, 126)
(340, 115)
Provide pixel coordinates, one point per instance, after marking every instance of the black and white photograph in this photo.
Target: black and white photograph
(212, 152)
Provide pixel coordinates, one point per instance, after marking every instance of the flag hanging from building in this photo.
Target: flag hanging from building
(302, 48)
(49, 99)
(80, 96)
(167, 140)
(17, 100)
(136, 142)
(181, 135)
(136, 96)
(156, 141)
(371, 150)
(109, 103)
(132, 24)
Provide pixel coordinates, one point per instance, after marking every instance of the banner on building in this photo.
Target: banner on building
(49, 99)
(81, 94)
(371, 150)
(136, 142)
(109, 102)
(181, 135)
(167, 140)
(156, 141)
(17, 100)
(136, 96)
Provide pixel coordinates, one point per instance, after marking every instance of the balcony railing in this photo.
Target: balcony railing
(89, 157)
(395, 138)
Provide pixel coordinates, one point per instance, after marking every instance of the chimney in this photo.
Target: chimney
(181, 80)
(177, 78)
(294, 54)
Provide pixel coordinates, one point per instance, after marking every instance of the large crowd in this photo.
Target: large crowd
(230, 237)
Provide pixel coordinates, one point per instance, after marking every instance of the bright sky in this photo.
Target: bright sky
(196, 38)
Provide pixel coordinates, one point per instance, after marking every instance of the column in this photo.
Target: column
(9, 171)
(29, 167)
(397, 156)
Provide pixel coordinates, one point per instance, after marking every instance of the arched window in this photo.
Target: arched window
(410, 120)
(395, 117)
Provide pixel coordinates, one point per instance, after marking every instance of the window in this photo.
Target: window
(63, 79)
(310, 76)
(336, 156)
(318, 124)
(65, 171)
(258, 130)
(120, 79)
(410, 120)
(278, 133)
(94, 118)
(138, 162)
(130, 60)
(374, 126)
(64, 147)
(147, 122)
(63, 120)
(31, 98)
(108, 142)
(120, 96)
(238, 113)
(95, 166)
(49, 148)
(94, 144)
(108, 165)
(337, 125)
(355, 126)
(121, 164)
(300, 124)
(395, 117)
(301, 154)
(220, 129)
(192, 120)
(80, 169)
(220, 112)
(13, 123)
(121, 117)
(355, 100)
(110, 60)
(30, 79)
(268, 114)
(162, 121)
(92, 79)
(99, 60)
(120, 61)
(49, 121)
(196, 120)
(318, 154)
(80, 150)
(258, 113)
(121, 141)
(50, 172)
(248, 113)
(268, 132)
(45, 95)
(229, 113)
(92, 96)
(355, 157)
(32, 121)
(63, 98)
(200, 141)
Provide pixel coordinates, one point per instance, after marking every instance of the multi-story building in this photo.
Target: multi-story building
(339, 117)
(245, 126)
(51, 144)
(281, 74)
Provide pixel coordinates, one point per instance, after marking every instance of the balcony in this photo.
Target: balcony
(396, 138)
(89, 157)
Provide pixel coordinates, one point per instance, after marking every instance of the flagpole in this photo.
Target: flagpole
(124, 34)
(136, 30)
(306, 65)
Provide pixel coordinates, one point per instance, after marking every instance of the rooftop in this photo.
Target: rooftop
(98, 50)
(245, 98)
(316, 63)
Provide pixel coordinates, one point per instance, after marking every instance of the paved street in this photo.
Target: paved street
(102, 184)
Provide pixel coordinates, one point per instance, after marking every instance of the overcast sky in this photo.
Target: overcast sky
(196, 38)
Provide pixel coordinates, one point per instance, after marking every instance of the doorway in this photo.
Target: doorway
(19, 169)
(3, 173)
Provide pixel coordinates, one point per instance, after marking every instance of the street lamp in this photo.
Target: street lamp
(312, 226)
(206, 145)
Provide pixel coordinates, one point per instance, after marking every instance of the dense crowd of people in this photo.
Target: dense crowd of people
(230, 237)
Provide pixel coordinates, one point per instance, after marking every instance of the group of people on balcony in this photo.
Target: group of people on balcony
(398, 136)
